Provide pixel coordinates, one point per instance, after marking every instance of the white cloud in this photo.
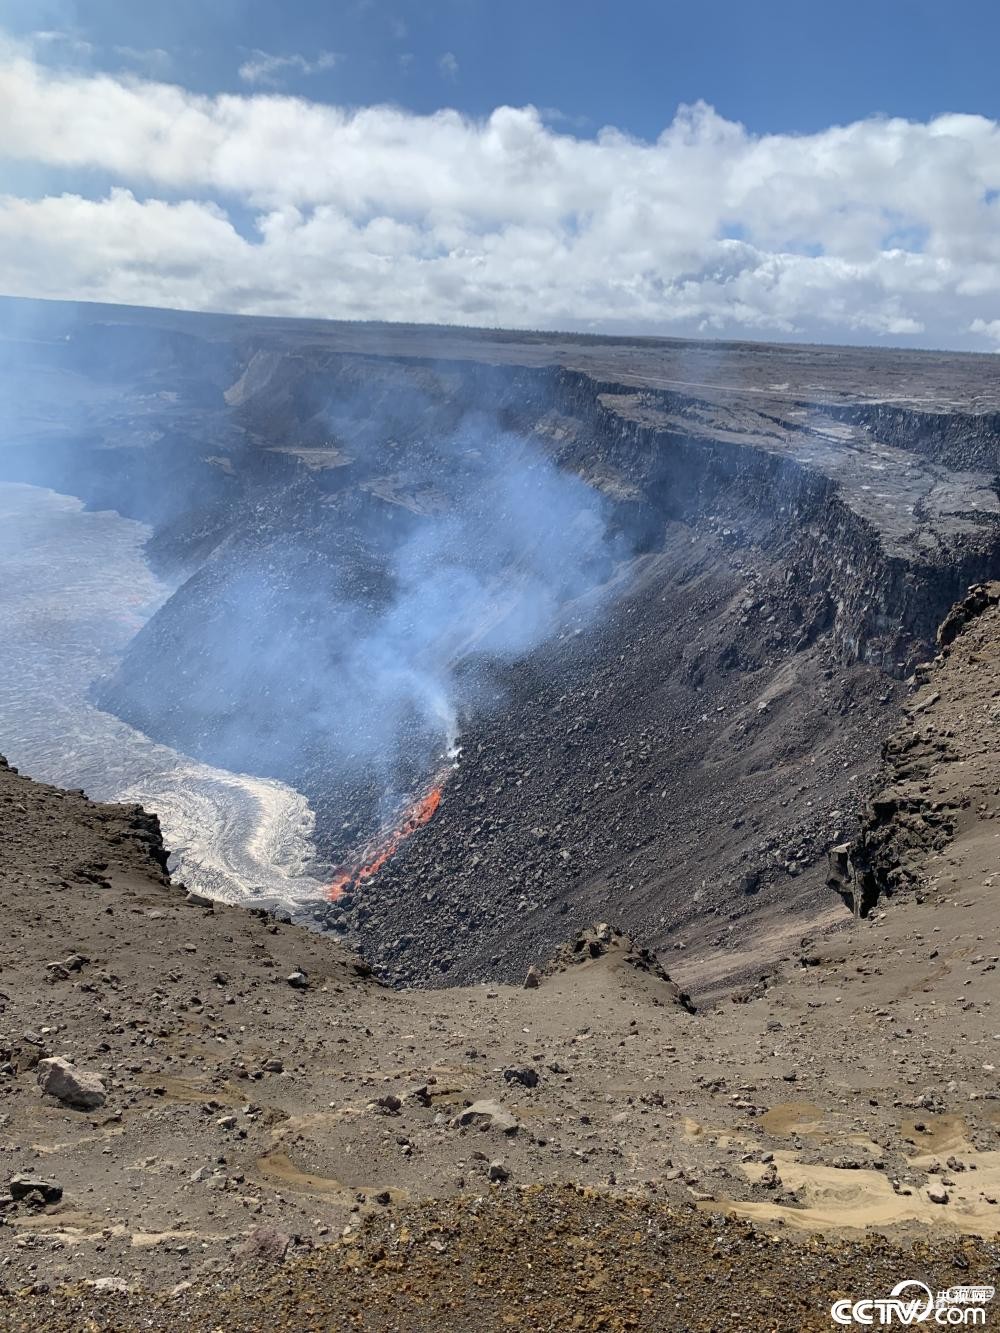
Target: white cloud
(262, 67)
(58, 43)
(151, 60)
(448, 64)
(552, 115)
(884, 229)
(987, 328)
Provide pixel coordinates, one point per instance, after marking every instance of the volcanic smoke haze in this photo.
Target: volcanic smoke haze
(358, 655)
(348, 615)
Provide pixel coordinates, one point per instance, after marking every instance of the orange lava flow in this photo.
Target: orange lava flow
(418, 814)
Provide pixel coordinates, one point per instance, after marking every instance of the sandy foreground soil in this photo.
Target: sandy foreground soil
(275, 1140)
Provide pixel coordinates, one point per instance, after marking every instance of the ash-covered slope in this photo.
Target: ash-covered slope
(665, 719)
(261, 1128)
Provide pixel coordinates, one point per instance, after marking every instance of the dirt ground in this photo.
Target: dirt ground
(538, 1259)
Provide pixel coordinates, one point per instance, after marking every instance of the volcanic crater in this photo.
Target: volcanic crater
(649, 685)
(665, 713)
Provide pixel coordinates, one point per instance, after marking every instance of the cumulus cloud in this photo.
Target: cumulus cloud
(987, 328)
(264, 68)
(448, 64)
(884, 229)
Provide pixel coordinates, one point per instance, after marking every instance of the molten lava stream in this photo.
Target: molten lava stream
(420, 812)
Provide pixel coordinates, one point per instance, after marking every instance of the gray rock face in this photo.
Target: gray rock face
(76, 1087)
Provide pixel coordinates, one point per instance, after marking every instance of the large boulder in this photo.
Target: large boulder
(76, 1087)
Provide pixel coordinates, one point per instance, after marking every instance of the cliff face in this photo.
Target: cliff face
(784, 543)
(890, 533)
(940, 769)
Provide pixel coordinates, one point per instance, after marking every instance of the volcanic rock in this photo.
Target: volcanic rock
(76, 1087)
(109, 1283)
(524, 1075)
(264, 1245)
(23, 1185)
(487, 1114)
(419, 1093)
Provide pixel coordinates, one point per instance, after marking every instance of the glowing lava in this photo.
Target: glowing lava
(373, 859)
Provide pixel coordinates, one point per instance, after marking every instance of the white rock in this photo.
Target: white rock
(76, 1087)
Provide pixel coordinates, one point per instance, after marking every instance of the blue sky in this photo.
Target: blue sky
(774, 65)
(814, 170)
